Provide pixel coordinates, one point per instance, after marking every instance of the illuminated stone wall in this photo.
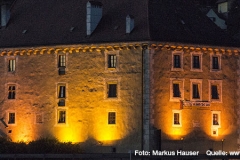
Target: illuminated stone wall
(86, 105)
(195, 130)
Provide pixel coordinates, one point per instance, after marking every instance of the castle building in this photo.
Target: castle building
(116, 77)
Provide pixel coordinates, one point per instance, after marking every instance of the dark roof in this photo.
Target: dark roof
(51, 22)
(221, 1)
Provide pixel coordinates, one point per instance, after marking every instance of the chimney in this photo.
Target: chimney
(94, 15)
(5, 14)
(129, 24)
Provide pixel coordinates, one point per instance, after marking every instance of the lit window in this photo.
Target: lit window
(11, 91)
(177, 61)
(112, 90)
(176, 89)
(215, 90)
(111, 117)
(177, 118)
(196, 89)
(11, 65)
(61, 116)
(61, 60)
(11, 118)
(112, 60)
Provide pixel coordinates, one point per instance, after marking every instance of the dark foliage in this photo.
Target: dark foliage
(41, 146)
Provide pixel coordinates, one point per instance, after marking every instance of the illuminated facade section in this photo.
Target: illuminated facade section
(53, 94)
(199, 106)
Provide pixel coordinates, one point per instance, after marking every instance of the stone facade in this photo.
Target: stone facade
(35, 112)
(186, 120)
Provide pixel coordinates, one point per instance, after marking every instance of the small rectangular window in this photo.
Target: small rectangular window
(196, 62)
(195, 91)
(111, 117)
(112, 59)
(176, 90)
(11, 65)
(11, 118)
(215, 62)
(112, 90)
(11, 92)
(62, 61)
(177, 61)
(215, 119)
(62, 91)
(214, 90)
(176, 119)
(61, 116)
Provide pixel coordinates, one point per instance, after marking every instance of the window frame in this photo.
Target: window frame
(8, 112)
(106, 88)
(219, 62)
(113, 53)
(110, 118)
(59, 60)
(181, 89)
(11, 91)
(218, 83)
(218, 113)
(199, 54)
(199, 82)
(180, 54)
(11, 66)
(179, 112)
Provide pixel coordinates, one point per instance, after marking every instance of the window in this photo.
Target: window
(61, 94)
(196, 89)
(195, 93)
(216, 121)
(176, 89)
(11, 91)
(177, 118)
(39, 118)
(111, 117)
(177, 61)
(11, 118)
(62, 91)
(196, 62)
(215, 63)
(215, 91)
(112, 59)
(11, 65)
(61, 116)
(62, 60)
(112, 90)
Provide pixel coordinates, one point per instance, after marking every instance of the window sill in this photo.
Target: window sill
(196, 70)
